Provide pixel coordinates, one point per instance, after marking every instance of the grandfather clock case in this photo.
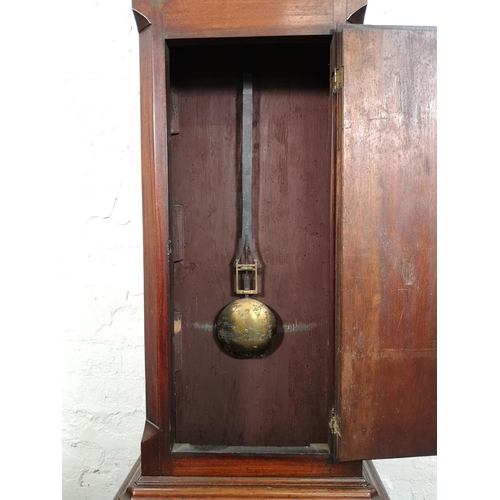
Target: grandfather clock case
(288, 161)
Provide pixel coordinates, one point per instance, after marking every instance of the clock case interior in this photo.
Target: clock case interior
(281, 399)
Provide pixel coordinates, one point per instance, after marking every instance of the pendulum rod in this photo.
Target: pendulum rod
(246, 327)
(246, 246)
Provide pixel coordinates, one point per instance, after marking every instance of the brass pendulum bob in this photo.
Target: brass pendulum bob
(246, 327)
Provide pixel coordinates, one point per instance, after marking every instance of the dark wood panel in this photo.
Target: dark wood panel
(386, 232)
(279, 400)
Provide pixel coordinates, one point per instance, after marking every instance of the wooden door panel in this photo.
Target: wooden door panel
(386, 243)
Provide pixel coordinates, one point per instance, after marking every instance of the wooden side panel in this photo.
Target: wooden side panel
(386, 237)
(154, 87)
(279, 400)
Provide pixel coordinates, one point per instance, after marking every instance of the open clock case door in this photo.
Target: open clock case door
(386, 243)
(344, 215)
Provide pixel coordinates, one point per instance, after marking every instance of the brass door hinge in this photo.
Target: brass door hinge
(334, 424)
(337, 79)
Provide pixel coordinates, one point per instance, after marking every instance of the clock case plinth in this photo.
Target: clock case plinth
(364, 486)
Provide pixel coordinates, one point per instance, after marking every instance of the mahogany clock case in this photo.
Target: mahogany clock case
(344, 224)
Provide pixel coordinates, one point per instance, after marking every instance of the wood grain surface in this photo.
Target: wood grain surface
(229, 18)
(386, 237)
(154, 119)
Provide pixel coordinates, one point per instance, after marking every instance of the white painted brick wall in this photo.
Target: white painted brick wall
(103, 365)
(409, 478)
